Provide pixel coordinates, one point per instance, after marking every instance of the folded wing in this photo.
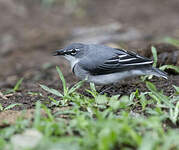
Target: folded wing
(120, 60)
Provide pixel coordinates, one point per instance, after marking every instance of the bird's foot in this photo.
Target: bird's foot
(104, 89)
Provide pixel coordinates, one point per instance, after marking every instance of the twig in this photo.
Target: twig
(9, 95)
(3, 96)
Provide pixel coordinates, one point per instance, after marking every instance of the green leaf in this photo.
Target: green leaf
(12, 105)
(55, 102)
(176, 88)
(37, 115)
(18, 84)
(2, 143)
(151, 86)
(101, 99)
(143, 101)
(114, 102)
(148, 142)
(174, 113)
(48, 112)
(65, 89)
(154, 53)
(1, 108)
(92, 86)
(93, 91)
(158, 96)
(171, 140)
(107, 138)
(132, 96)
(124, 101)
(175, 68)
(50, 90)
(76, 86)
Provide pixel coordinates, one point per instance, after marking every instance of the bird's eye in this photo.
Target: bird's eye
(73, 52)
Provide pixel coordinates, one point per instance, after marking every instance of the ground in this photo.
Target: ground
(31, 30)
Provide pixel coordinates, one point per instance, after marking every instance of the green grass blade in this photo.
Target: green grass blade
(176, 88)
(55, 102)
(50, 90)
(143, 101)
(76, 86)
(37, 115)
(175, 68)
(1, 108)
(18, 84)
(92, 86)
(63, 80)
(12, 106)
(151, 86)
(48, 112)
(174, 113)
(154, 53)
(158, 95)
(91, 92)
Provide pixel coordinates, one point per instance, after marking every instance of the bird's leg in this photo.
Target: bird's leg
(105, 89)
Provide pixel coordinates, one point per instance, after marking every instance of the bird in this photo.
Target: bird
(103, 65)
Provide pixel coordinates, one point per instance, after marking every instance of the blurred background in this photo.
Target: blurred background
(30, 30)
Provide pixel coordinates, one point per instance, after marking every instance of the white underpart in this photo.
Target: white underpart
(72, 60)
(114, 77)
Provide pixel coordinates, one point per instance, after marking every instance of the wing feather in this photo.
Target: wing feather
(122, 60)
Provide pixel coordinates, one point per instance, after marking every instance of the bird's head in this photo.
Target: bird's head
(72, 52)
(75, 50)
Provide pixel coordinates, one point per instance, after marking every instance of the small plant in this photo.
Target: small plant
(66, 91)
(18, 84)
(16, 87)
(9, 106)
(162, 101)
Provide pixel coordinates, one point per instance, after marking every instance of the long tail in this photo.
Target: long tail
(159, 73)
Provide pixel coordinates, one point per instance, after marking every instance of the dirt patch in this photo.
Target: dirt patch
(10, 116)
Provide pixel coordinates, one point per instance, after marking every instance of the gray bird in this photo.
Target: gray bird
(105, 65)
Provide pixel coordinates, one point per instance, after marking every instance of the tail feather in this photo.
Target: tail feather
(159, 73)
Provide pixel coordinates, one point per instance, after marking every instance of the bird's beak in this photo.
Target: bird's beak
(60, 52)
